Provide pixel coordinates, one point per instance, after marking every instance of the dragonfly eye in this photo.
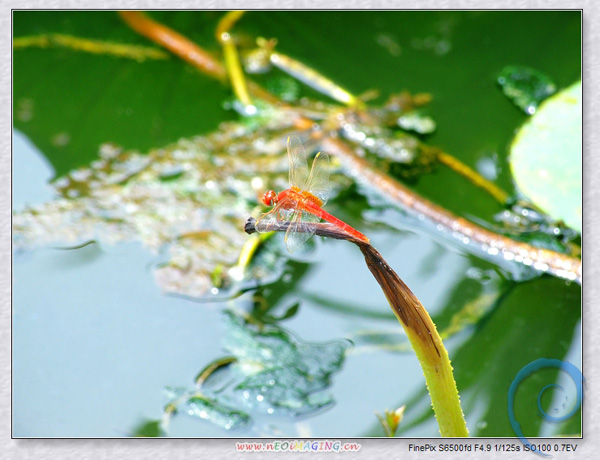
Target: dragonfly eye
(269, 198)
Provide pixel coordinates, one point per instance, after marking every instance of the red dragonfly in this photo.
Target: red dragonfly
(301, 204)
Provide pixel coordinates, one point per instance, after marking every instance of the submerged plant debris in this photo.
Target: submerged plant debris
(206, 406)
(272, 373)
(281, 372)
(193, 197)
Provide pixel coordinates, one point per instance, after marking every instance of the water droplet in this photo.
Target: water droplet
(109, 150)
(24, 110)
(257, 183)
(236, 273)
(488, 167)
(81, 175)
(62, 182)
(98, 164)
(526, 87)
(474, 273)
(61, 139)
(540, 266)
(509, 256)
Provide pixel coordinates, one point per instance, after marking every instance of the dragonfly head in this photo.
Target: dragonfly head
(270, 198)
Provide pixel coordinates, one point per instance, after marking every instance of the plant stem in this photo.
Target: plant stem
(415, 320)
(232, 60)
(174, 42)
(493, 244)
(453, 163)
(426, 342)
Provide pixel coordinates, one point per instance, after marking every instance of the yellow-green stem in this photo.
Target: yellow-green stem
(453, 163)
(232, 60)
(426, 342)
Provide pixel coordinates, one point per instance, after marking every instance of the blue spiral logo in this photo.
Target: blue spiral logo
(529, 369)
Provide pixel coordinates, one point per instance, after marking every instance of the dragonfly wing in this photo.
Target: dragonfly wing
(281, 212)
(298, 164)
(318, 180)
(300, 230)
(265, 221)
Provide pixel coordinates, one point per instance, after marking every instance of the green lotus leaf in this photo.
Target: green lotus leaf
(546, 157)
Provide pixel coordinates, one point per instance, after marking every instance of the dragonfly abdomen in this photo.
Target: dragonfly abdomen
(337, 222)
